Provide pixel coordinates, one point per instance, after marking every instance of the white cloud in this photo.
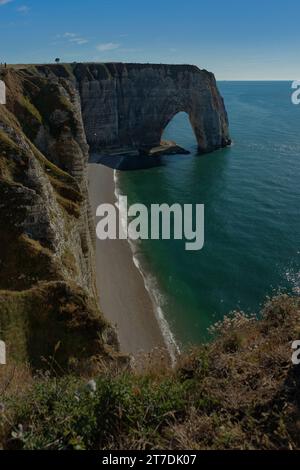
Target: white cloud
(75, 38)
(109, 46)
(3, 2)
(79, 41)
(23, 9)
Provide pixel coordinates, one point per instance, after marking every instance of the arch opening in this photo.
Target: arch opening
(179, 131)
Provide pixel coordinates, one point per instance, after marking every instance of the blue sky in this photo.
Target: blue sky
(257, 39)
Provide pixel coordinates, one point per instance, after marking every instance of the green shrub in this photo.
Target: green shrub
(66, 414)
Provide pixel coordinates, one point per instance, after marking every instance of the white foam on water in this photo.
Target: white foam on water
(150, 284)
(293, 278)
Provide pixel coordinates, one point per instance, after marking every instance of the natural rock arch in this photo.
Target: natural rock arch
(129, 105)
(169, 133)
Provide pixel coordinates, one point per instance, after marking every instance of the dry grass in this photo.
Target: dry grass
(241, 391)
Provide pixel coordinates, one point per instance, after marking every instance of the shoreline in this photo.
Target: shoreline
(124, 296)
(153, 292)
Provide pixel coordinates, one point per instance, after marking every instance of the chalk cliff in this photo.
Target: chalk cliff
(48, 300)
(129, 105)
(54, 114)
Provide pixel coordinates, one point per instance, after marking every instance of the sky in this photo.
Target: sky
(235, 39)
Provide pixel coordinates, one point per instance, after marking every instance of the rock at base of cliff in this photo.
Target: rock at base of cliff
(168, 147)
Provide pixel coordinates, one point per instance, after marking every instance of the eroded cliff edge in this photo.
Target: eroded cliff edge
(54, 114)
(48, 300)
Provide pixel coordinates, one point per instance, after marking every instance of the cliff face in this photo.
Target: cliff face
(129, 105)
(47, 278)
(53, 114)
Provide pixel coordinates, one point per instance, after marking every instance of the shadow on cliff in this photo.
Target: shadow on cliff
(127, 163)
(143, 162)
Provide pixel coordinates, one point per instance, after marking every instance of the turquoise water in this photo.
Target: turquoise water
(251, 194)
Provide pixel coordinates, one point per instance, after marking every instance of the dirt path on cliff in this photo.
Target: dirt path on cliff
(124, 299)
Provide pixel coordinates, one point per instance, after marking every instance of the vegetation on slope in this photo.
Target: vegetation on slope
(241, 391)
(44, 251)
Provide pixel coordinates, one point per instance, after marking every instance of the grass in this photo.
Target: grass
(216, 398)
(67, 414)
(34, 321)
(31, 108)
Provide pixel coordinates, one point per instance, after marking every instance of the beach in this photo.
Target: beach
(123, 297)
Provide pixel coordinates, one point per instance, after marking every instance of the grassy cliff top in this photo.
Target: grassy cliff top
(104, 70)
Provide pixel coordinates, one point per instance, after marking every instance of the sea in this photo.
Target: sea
(251, 194)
